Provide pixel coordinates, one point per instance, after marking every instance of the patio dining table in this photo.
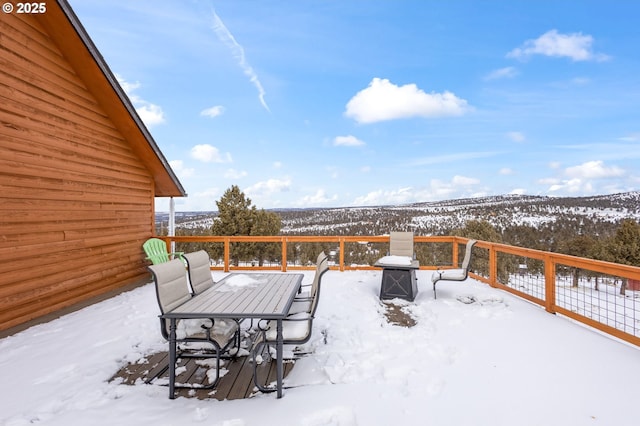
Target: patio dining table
(238, 296)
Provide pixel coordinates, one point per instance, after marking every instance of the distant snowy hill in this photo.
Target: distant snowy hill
(441, 216)
(595, 213)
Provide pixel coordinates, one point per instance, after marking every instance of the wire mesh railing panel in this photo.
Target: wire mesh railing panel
(363, 253)
(522, 274)
(434, 254)
(305, 254)
(479, 261)
(599, 297)
(215, 250)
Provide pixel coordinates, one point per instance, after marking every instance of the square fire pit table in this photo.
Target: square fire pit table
(398, 277)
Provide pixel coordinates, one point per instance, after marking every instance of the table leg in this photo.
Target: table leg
(279, 352)
(172, 358)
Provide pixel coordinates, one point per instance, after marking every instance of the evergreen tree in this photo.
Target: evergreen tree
(237, 216)
(479, 230)
(265, 223)
(624, 247)
(581, 246)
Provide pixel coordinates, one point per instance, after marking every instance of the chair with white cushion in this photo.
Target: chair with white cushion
(302, 302)
(458, 274)
(218, 335)
(200, 279)
(296, 328)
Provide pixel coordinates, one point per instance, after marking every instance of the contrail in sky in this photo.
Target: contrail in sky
(237, 50)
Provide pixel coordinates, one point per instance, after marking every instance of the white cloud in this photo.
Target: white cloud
(633, 137)
(234, 174)
(209, 154)
(182, 172)
(572, 186)
(381, 197)
(593, 170)
(383, 100)
(150, 114)
(516, 136)
(365, 169)
(268, 187)
(277, 164)
(127, 86)
(464, 181)
(582, 178)
(213, 112)
(347, 141)
(506, 72)
(576, 46)
(204, 200)
(451, 158)
(333, 171)
(225, 36)
(506, 171)
(549, 181)
(580, 81)
(437, 189)
(317, 199)
(555, 165)
(518, 191)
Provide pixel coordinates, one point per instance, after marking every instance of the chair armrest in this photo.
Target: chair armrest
(303, 285)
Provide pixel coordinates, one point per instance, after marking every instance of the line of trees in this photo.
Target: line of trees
(238, 216)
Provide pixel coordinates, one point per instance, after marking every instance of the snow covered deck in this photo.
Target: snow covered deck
(475, 356)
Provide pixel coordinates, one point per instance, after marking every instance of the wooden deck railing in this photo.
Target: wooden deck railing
(586, 290)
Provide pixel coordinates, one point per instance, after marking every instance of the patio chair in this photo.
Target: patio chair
(171, 291)
(296, 329)
(401, 244)
(156, 251)
(199, 270)
(200, 279)
(302, 302)
(306, 290)
(458, 274)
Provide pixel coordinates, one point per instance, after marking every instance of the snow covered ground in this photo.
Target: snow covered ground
(476, 356)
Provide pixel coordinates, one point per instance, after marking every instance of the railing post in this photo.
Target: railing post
(284, 254)
(549, 284)
(227, 249)
(341, 254)
(454, 254)
(493, 266)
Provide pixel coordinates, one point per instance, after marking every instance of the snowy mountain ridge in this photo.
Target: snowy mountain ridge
(590, 214)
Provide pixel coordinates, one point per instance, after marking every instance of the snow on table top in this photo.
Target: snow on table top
(236, 282)
(395, 260)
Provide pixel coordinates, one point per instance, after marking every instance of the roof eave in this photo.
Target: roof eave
(102, 83)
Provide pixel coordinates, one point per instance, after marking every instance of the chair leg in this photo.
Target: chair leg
(187, 355)
(259, 348)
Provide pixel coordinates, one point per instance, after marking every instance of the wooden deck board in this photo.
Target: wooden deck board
(237, 383)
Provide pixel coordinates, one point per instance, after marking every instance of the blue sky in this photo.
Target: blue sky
(329, 103)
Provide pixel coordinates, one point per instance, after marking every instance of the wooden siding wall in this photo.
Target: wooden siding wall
(75, 203)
